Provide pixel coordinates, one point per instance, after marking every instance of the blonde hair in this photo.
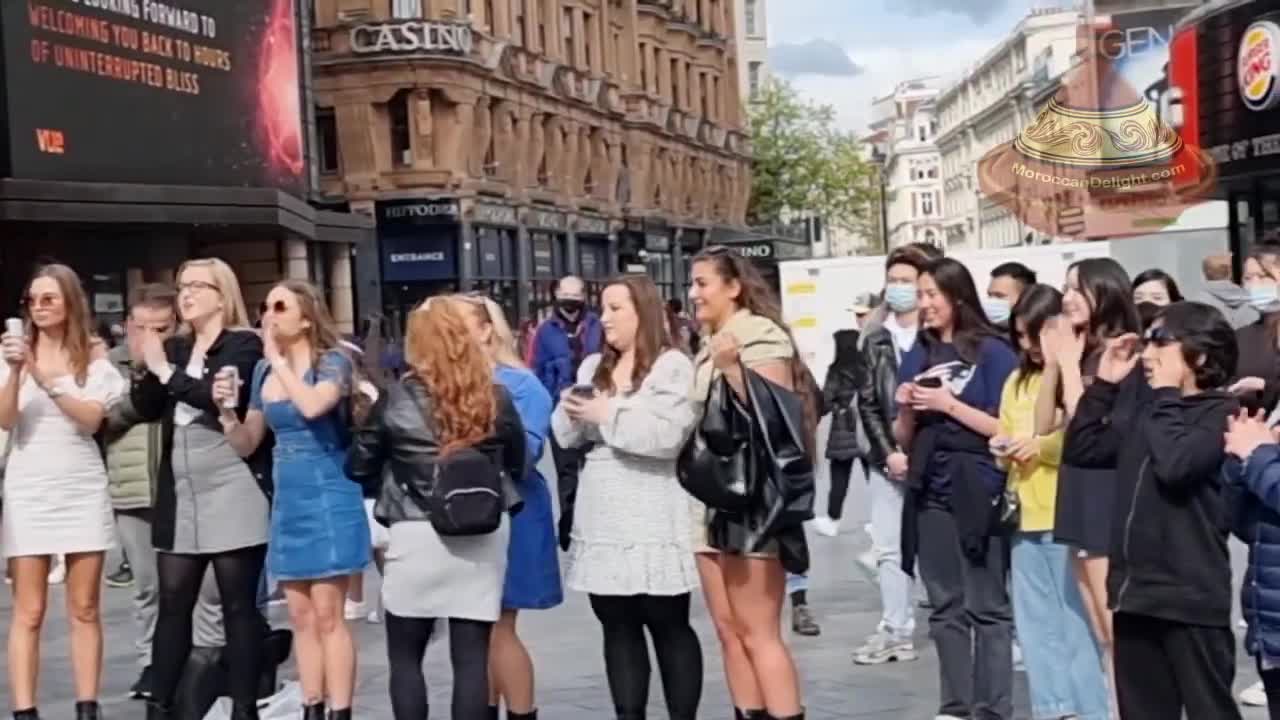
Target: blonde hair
(501, 348)
(234, 314)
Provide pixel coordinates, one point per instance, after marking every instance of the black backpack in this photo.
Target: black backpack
(466, 494)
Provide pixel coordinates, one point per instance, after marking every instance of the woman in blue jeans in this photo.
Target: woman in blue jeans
(1063, 661)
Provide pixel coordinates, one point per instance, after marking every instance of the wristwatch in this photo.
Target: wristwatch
(55, 392)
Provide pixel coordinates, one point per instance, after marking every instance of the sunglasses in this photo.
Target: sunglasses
(1158, 336)
(278, 307)
(196, 286)
(45, 300)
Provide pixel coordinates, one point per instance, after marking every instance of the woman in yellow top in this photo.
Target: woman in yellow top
(1064, 668)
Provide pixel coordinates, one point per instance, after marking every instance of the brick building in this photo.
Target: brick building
(502, 143)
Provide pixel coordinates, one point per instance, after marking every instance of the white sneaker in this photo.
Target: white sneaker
(58, 573)
(826, 526)
(883, 647)
(353, 610)
(1254, 695)
(867, 561)
(374, 617)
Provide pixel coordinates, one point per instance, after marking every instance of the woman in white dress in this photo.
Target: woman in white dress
(632, 543)
(53, 395)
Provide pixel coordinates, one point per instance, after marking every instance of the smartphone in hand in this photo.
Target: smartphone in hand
(584, 391)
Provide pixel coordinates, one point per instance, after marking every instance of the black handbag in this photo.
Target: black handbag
(717, 464)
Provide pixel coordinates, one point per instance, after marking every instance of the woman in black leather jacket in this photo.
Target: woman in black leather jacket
(448, 401)
(844, 441)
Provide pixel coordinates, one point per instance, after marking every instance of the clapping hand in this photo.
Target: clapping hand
(153, 354)
(1060, 343)
(270, 344)
(1245, 433)
(1119, 357)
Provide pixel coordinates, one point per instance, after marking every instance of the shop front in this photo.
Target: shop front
(646, 246)
(764, 252)
(595, 250)
(549, 245)
(418, 248)
(494, 270)
(1225, 70)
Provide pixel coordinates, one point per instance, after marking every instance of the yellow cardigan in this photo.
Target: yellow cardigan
(1036, 482)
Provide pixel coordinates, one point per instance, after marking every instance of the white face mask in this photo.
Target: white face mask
(997, 310)
(901, 297)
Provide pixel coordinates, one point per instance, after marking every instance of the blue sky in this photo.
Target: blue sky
(888, 41)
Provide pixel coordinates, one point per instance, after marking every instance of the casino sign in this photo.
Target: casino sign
(412, 37)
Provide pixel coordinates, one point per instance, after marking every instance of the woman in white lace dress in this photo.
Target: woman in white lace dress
(632, 538)
(53, 395)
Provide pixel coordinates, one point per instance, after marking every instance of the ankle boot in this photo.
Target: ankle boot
(491, 713)
(244, 712)
(344, 714)
(314, 711)
(158, 711)
(87, 710)
(792, 717)
(28, 714)
(531, 715)
(740, 714)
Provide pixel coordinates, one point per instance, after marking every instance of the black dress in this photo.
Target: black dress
(1086, 496)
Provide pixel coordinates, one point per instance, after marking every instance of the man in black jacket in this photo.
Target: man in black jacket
(890, 333)
(1170, 577)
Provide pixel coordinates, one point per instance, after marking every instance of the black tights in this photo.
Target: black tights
(237, 573)
(840, 472)
(468, 653)
(626, 653)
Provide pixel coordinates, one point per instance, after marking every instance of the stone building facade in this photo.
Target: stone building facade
(502, 143)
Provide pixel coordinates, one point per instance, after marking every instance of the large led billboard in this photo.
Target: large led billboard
(179, 92)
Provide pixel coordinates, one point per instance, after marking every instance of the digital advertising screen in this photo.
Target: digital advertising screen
(180, 92)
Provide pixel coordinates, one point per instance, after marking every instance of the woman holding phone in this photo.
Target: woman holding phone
(951, 382)
(631, 544)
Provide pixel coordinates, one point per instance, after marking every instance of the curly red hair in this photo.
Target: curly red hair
(443, 354)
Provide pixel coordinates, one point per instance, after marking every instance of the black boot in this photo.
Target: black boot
(315, 711)
(740, 714)
(244, 712)
(531, 715)
(87, 710)
(792, 717)
(159, 711)
(491, 713)
(340, 714)
(28, 714)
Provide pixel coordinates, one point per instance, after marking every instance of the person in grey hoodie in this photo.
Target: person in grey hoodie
(1219, 291)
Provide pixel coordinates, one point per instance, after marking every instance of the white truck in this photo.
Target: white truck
(817, 294)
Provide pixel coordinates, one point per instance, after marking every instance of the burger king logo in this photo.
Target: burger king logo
(1258, 65)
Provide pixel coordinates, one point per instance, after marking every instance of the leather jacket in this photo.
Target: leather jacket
(879, 384)
(398, 436)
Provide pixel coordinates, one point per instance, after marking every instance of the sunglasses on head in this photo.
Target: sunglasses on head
(277, 307)
(1159, 336)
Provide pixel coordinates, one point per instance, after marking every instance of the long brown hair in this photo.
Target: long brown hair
(756, 297)
(441, 352)
(653, 337)
(323, 336)
(76, 340)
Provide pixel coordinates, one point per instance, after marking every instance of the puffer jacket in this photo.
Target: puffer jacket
(133, 448)
(398, 437)
(1255, 518)
(846, 440)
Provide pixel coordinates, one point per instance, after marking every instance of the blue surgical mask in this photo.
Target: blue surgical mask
(998, 310)
(900, 297)
(1263, 297)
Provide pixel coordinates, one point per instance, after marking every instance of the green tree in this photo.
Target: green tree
(803, 163)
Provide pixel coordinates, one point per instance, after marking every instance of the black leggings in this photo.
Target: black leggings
(840, 472)
(626, 653)
(237, 573)
(468, 653)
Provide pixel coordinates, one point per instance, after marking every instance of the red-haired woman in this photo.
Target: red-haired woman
(53, 396)
(447, 402)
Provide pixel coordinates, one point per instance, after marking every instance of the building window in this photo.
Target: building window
(926, 204)
(488, 16)
(931, 237)
(704, 90)
(615, 53)
(406, 9)
(644, 67)
(676, 97)
(566, 32)
(589, 27)
(750, 12)
(327, 140)
(753, 79)
(518, 22)
(398, 111)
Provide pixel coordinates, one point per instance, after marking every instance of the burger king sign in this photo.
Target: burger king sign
(1258, 65)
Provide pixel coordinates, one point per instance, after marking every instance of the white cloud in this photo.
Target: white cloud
(883, 68)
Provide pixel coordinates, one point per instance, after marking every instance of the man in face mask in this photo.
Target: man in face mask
(1008, 281)
(570, 334)
(889, 333)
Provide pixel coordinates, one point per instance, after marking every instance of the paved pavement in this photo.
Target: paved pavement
(565, 643)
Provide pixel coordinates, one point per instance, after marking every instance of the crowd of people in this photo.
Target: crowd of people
(1061, 469)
